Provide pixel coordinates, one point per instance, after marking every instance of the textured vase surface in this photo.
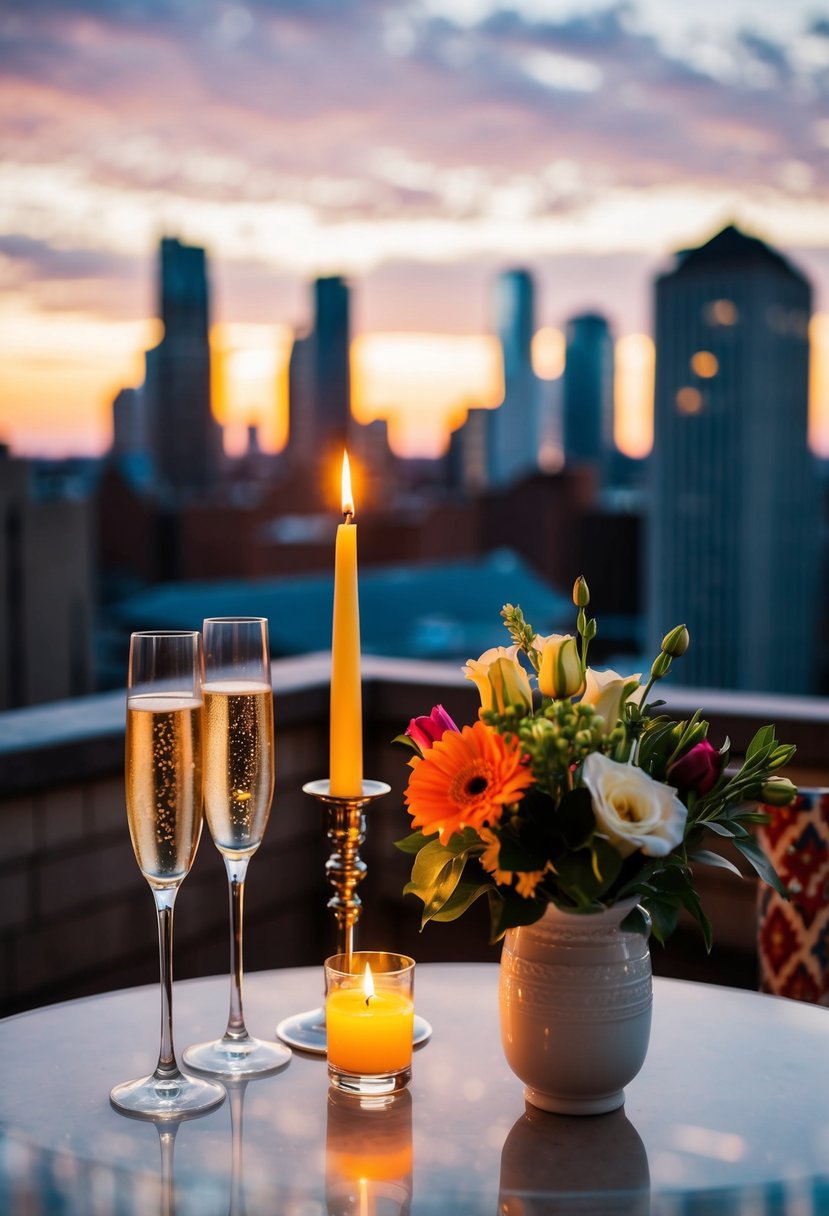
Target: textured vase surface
(575, 1002)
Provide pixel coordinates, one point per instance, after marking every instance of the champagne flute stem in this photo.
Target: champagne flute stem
(236, 872)
(166, 1144)
(165, 899)
(236, 1094)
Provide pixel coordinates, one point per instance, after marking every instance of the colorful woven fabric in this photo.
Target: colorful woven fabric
(793, 934)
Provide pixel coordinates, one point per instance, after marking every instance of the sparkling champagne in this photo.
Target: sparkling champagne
(238, 763)
(164, 783)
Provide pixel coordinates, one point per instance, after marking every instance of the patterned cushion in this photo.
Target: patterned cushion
(793, 934)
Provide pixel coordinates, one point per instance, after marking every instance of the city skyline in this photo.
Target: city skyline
(419, 149)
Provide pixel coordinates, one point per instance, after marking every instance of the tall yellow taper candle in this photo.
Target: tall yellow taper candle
(346, 739)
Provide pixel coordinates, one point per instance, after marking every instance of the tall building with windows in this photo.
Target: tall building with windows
(587, 429)
(185, 440)
(514, 428)
(331, 361)
(734, 525)
(320, 377)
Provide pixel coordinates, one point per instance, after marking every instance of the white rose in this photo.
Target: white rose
(604, 690)
(632, 810)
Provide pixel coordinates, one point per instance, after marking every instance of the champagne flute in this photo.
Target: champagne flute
(238, 790)
(164, 810)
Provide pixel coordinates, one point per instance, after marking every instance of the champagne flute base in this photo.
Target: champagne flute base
(174, 1097)
(246, 1057)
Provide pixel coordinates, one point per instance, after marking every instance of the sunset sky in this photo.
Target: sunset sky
(417, 146)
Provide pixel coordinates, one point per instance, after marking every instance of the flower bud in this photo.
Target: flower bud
(510, 686)
(778, 791)
(428, 728)
(581, 593)
(697, 769)
(676, 642)
(560, 672)
(661, 665)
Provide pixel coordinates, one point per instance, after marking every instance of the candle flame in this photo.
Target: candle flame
(348, 498)
(368, 983)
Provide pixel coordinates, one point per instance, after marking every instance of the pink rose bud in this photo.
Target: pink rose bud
(428, 728)
(698, 769)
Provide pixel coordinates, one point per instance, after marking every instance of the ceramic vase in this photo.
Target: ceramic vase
(575, 1002)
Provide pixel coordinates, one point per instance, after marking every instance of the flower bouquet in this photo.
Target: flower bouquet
(580, 794)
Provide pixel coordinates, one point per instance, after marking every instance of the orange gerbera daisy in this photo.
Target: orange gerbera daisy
(465, 780)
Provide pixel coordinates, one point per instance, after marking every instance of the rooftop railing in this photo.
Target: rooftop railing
(75, 913)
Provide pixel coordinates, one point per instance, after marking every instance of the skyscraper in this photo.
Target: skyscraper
(332, 377)
(513, 429)
(320, 378)
(734, 529)
(588, 391)
(184, 436)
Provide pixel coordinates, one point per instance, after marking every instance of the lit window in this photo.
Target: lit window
(548, 353)
(689, 400)
(721, 312)
(704, 364)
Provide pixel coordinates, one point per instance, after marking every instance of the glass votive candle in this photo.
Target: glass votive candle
(369, 1017)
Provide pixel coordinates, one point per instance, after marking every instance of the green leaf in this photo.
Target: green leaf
(508, 910)
(761, 741)
(414, 843)
(462, 842)
(586, 874)
(730, 829)
(693, 905)
(407, 741)
(636, 922)
(437, 871)
(752, 852)
(430, 869)
(443, 889)
(463, 896)
(708, 858)
(664, 914)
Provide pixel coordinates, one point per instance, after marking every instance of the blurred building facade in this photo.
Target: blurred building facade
(733, 545)
(46, 592)
(184, 437)
(320, 378)
(587, 393)
(514, 429)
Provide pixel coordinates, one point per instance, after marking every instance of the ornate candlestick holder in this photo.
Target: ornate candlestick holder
(345, 870)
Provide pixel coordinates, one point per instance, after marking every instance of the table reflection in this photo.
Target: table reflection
(563, 1164)
(368, 1155)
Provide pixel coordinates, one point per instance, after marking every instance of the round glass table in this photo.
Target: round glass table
(729, 1114)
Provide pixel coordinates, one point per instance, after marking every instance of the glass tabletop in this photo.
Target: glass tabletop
(729, 1114)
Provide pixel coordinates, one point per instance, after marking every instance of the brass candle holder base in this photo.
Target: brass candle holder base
(345, 870)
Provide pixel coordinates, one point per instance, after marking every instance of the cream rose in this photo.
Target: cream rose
(632, 810)
(604, 690)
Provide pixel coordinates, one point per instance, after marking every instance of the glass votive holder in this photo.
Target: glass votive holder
(369, 1016)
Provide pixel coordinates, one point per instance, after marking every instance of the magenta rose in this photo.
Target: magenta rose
(428, 728)
(698, 769)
